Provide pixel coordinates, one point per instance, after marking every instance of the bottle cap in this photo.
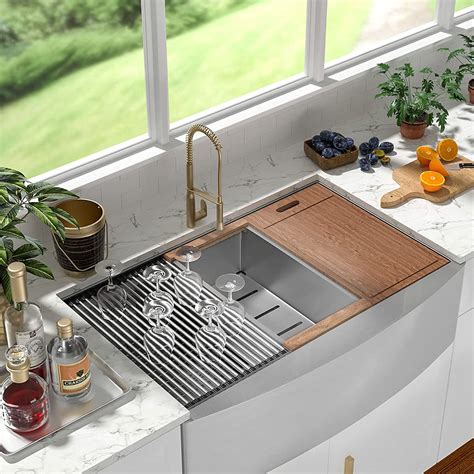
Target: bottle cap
(17, 273)
(18, 363)
(64, 326)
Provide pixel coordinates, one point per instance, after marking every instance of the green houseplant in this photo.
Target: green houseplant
(18, 198)
(416, 98)
(451, 79)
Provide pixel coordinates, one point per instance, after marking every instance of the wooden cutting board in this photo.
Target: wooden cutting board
(408, 177)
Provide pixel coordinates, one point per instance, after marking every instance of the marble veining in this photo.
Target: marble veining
(160, 219)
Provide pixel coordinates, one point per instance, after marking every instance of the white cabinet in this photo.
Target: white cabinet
(314, 461)
(160, 456)
(401, 435)
(459, 411)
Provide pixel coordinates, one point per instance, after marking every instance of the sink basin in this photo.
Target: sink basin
(282, 294)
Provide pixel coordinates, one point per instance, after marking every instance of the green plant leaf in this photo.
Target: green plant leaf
(4, 196)
(65, 216)
(5, 281)
(3, 254)
(11, 231)
(37, 243)
(55, 194)
(35, 267)
(26, 251)
(47, 217)
(15, 185)
(8, 213)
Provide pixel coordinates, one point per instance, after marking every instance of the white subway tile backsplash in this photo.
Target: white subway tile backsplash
(264, 130)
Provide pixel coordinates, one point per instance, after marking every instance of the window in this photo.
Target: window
(359, 26)
(464, 5)
(72, 80)
(234, 48)
(79, 77)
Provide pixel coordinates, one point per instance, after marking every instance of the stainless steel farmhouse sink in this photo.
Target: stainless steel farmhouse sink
(282, 293)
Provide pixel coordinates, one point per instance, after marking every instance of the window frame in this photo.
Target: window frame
(161, 131)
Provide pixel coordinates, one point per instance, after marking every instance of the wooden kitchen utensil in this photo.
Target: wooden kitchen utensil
(408, 177)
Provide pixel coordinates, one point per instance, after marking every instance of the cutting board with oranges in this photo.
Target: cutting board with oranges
(408, 177)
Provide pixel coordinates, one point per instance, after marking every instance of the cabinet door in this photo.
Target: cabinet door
(161, 456)
(314, 461)
(403, 434)
(459, 412)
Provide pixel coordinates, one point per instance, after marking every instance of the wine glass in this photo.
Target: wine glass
(159, 339)
(111, 298)
(157, 273)
(188, 284)
(210, 339)
(232, 320)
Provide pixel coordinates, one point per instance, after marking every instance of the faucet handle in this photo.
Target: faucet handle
(202, 213)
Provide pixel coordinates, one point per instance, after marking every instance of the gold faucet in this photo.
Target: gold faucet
(192, 215)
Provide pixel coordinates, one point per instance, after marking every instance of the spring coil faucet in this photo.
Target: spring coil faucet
(192, 216)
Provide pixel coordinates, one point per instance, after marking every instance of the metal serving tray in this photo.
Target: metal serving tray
(108, 392)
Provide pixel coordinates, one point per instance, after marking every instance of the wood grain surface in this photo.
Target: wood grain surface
(351, 246)
(460, 461)
(408, 177)
(289, 206)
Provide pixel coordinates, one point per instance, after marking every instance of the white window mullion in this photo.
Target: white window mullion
(445, 13)
(156, 69)
(316, 39)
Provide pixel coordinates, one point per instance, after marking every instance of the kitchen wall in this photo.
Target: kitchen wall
(159, 179)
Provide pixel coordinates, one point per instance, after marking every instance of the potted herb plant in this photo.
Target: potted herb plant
(18, 198)
(416, 99)
(451, 79)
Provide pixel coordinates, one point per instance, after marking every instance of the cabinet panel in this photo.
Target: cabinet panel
(314, 461)
(161, 456)
(402, 435)
(459, 411)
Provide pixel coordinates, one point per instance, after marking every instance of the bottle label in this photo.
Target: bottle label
(74, 378)
(34, 341)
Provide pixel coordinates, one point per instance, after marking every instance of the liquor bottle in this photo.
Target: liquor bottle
(24, 395)
(69, 363)
(24, 323)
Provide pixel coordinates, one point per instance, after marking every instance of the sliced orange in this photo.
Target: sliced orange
(431, 181)
(436, 165)
(447, 149)
(425, 154)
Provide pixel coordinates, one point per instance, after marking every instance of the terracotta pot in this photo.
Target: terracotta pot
(471, 91)
(3, 307)
(413, 131)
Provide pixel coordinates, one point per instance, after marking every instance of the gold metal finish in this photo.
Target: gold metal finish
(349, 465)
(64, 327)
(17, 273)
(192, 215)
(90, 216)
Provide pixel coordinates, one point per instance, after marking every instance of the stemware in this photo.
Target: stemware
(159, 339)
(232, 320)
(111, 298)
(188, 284)
(157, 274)
(210, 339)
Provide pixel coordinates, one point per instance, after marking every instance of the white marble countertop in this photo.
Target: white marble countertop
(447, 228)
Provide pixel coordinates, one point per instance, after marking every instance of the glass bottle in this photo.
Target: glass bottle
(24, 395)
(69, 363)
(24, 322)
